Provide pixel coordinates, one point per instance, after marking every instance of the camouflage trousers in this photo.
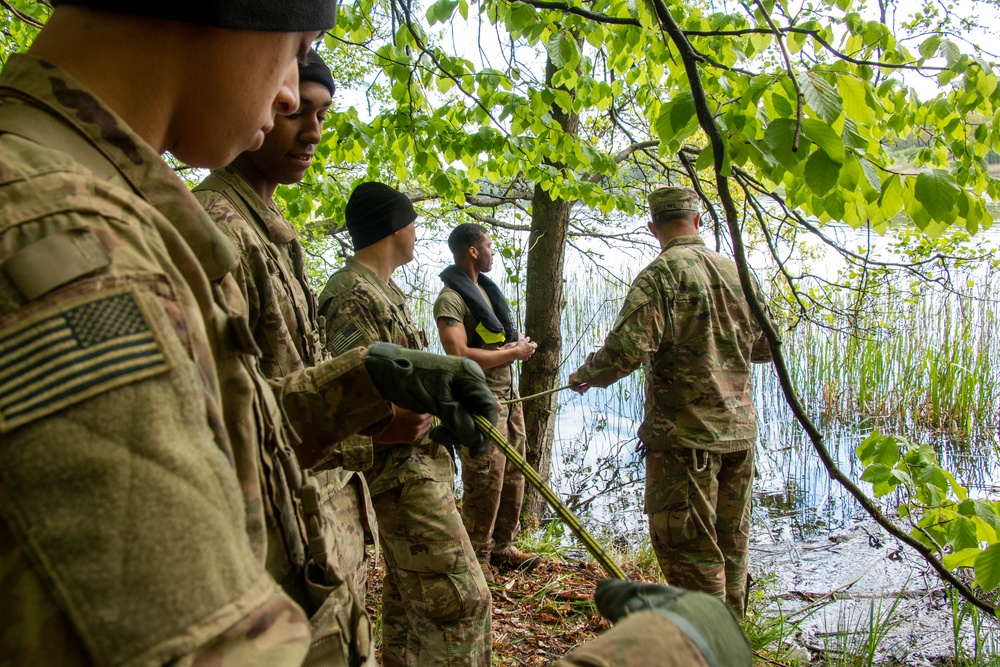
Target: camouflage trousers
(698, 504)
(436, 607)
(494, 489)
(642, 639)
(342, 631)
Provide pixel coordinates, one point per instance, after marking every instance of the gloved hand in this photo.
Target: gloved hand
(451, 388)
(705, 619)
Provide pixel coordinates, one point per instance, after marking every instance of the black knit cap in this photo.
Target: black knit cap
(263, 15)
(312, 68)
(374, 211)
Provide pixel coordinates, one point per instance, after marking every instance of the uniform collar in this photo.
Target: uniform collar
(50, 88)
(279, 230)
(683, 240)
(354, 265)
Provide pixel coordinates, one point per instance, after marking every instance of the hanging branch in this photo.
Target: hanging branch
(708, 124)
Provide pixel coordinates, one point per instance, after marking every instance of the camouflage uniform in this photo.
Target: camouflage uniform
(686, 320)
(123, 530)
(493, 488)
(642, 639)
(435, 602)
(282, 317)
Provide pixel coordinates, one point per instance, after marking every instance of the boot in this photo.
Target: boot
(513, 558)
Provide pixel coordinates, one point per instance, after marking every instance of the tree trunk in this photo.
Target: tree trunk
(544, 303)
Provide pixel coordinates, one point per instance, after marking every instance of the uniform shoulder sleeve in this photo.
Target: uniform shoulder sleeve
(449, 304)
(352, 313)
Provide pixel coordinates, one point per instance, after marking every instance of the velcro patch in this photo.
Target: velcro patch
(72, 352)
(347, 339)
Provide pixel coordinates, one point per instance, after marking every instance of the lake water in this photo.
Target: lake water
(594, 463)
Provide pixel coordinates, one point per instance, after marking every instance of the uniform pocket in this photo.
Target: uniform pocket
(435, 576)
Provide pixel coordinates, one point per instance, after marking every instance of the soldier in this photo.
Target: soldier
(283, 320)
(474, 321)
(124, 536)
(435, 603)
(686, 319)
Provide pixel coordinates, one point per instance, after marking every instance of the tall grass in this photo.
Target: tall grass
(927, 363)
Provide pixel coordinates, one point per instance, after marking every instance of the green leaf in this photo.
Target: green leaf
(988, 568)
(521, 16)
(677, 119)
(938, 192)
(878, 448)
(876, 472)
(778, 139)
(821, 173)
(562, 50)
(441, 11)
(962, 534)
(963, 558)
(825, 137)
(857, 100)
(441, 183)
(821, 96)
(929, 47)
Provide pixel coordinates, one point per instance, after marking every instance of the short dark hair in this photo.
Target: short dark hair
(667, 217)
(464, 237)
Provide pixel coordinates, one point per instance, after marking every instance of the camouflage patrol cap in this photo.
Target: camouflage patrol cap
(262, 15)
(673, 198)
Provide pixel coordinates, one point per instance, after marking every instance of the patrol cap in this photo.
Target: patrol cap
(673, 198)
(374, 211)
(262, 15)
(313, 68)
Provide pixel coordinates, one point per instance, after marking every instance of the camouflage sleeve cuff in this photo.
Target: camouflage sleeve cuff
(329, 402)
(596, 377)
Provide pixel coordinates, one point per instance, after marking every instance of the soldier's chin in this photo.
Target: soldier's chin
(206, 156)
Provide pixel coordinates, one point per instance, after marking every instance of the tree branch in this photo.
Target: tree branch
(708, 124)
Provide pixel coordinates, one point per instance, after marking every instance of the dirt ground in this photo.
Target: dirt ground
(537, 616)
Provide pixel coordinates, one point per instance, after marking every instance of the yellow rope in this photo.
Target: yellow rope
(602, 557)
(541, 393)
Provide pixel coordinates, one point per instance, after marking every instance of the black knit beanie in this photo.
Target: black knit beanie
(263, 15)
(374, 211)
(312, 68)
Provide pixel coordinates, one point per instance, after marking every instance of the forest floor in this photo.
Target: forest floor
(538, 616)
(856, 598)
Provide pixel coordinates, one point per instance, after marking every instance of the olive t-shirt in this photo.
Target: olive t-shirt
(449, 304)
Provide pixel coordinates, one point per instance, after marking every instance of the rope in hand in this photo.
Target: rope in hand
(602, 557)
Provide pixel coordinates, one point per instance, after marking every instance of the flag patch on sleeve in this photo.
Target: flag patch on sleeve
(348, 339)
(72, 352)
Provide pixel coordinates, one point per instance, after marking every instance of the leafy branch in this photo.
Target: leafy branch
(722, 169)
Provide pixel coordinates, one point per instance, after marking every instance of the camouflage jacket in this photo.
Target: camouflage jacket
(282, 317)
(121, 324)
(282, 308)
(360, 309)
(686, 321)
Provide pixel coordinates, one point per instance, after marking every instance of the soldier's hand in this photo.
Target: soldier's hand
(451, 388)
(706, 619)
(575, 383)
(405, 428)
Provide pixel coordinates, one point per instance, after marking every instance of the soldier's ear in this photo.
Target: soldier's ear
(697, 221)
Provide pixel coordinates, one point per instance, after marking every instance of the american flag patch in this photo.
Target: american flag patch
(347, 339)
(80, 349)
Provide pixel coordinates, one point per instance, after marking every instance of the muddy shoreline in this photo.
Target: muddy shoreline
(862, 591)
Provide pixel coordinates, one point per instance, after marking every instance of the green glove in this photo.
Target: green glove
(450, 388)
(705, 619)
